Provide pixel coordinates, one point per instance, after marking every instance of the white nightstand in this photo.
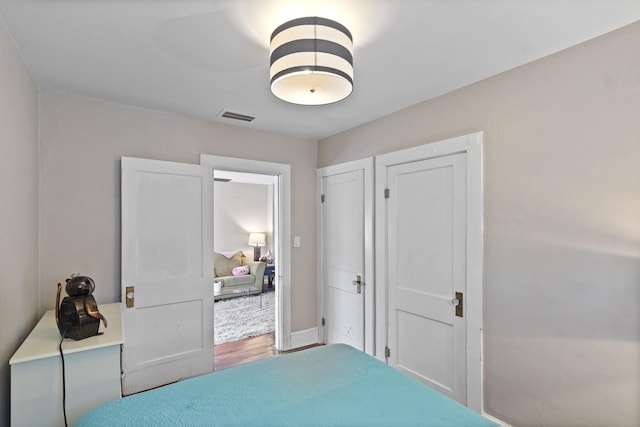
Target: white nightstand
(92, 368)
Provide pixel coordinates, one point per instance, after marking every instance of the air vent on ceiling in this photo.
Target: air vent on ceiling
(222, 179)
(236, 116)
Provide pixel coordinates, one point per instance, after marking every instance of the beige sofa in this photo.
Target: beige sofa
(233, 286)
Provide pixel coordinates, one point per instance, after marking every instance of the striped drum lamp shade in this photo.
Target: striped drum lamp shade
(311, 61)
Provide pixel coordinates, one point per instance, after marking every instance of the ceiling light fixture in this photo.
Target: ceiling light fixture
(311, 61)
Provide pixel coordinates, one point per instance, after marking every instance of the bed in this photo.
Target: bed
(333, 385)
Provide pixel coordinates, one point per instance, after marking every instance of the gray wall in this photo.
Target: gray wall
(562, 227)
(19, 211)
(82, 141)
(238, 209)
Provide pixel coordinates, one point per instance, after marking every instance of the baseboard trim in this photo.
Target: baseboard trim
(304, 338)
(496, 420)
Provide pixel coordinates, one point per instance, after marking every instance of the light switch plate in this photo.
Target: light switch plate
(296, 241)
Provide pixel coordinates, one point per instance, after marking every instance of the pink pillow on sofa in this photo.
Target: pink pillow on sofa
(240, 271)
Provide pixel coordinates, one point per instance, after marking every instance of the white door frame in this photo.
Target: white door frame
(366, 165)
(471, 145)
(283, 238)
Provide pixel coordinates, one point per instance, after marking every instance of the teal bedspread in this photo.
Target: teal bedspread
(334, 385)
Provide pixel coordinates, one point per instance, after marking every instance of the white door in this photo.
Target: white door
(428, 247)
(167, 272)
(347, 287)
(426, 267)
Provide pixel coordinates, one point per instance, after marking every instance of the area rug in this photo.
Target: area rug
(242, 317)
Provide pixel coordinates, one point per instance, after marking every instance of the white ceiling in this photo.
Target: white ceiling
(199, 57)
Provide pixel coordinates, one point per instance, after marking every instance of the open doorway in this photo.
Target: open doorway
(244, 265)
(277, 231)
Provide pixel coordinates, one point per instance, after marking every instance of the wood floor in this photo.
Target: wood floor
(247, 350)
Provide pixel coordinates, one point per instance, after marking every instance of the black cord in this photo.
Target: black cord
(64, 386)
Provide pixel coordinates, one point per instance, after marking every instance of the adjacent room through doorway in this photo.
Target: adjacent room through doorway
(245, 238)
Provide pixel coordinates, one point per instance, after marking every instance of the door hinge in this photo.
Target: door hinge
(386, 193)
(387, 352)
(322, 198)
(323, 322)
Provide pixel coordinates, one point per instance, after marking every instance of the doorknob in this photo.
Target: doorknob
(129, 296)
(358, 284)
(458, 303)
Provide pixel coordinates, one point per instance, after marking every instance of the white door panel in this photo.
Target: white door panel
(344, 309)
(426, 232)
(418, 357)
(167, 256)
(423, 215)
(346, 254)
(343, 220)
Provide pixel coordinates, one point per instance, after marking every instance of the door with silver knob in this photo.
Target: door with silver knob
(347, 299)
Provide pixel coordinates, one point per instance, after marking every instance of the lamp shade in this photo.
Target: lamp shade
(311, 61)
(256, 239)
